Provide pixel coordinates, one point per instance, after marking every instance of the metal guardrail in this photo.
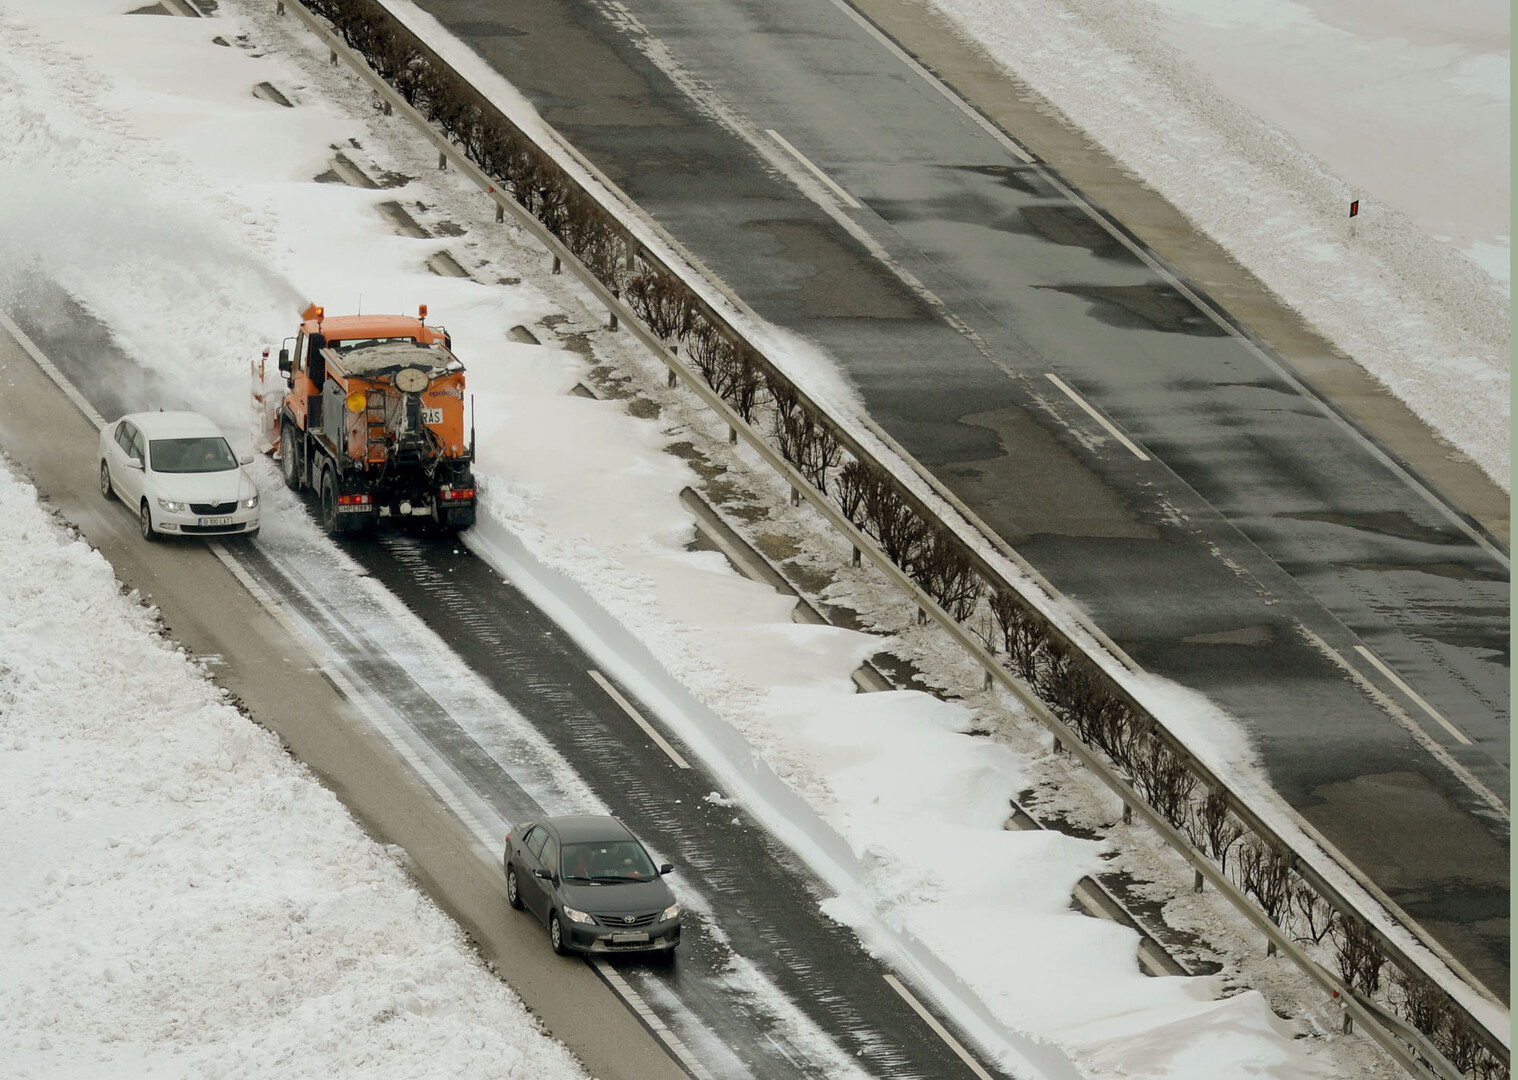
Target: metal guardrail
(1402, 1042)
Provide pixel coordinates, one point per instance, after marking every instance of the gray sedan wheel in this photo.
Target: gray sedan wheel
(105, 481)
(556, 934)
(513, 889)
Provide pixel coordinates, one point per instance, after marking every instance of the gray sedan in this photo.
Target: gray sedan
(593, 884)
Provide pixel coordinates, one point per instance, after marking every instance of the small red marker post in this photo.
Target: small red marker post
(1354, 213)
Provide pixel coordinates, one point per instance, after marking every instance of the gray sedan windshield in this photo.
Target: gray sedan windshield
(612, 861)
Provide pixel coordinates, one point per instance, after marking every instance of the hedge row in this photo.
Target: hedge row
(1074, 688)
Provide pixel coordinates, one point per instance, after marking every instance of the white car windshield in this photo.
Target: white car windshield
(207, 453)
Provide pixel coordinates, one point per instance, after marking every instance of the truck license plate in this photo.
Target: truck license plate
(628, 939)
(352, 508)
(215, 521)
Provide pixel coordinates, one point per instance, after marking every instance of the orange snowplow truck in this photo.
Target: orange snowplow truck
(373, 421)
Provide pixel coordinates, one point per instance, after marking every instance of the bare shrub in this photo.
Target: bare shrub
(1264, 872)
(1216, 827)
(745, 382)
(1313, 913)
(1162, 777)
(943, 571)
(1023, 631)
(1360, 955)
(663, 303)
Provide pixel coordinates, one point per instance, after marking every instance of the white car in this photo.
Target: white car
(177, 472)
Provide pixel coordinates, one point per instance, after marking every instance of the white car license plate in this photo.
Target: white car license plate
(215, 521)
(628, 939)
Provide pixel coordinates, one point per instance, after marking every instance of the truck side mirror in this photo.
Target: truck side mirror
(284, 361)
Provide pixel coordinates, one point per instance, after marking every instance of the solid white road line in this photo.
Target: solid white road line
(429, 776)
(1375, 662)
(637, 717)
(1098, 417)
(848, 199)
(648, 1016)
(938, 1029)
(52, 372)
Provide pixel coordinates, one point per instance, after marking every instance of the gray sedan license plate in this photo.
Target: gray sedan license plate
(216, 521)
(628, 939)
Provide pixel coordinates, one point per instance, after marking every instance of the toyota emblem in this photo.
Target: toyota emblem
(629, 919)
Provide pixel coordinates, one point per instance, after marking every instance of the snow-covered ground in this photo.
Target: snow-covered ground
(139, 171)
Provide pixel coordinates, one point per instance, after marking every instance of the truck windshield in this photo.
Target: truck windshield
(204, 454)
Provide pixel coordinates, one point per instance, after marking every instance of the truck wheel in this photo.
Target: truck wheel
(329, 503)
(289, 462)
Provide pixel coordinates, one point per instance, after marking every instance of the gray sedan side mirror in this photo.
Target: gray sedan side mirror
(667, 868)
(544, 874)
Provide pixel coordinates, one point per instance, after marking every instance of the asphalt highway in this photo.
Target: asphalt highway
(1227, 525)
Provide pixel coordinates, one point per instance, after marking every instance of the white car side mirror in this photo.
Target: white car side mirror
(134, 463)
(246, 459)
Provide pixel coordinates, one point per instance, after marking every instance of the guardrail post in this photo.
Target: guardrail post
(1128, 820)
(989, 680)
(1196, 886)
(442, 161)
(279, 7)
(557, 266)
(795, 495)
(854, 558)
(332, 57)
(732, 436)
(674, 350)
(1058, 746)
(500, 212)
(616, 295)
(922, 617)
(1270, 948)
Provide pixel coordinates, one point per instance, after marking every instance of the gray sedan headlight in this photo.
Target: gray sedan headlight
(576, 915)
(250, 502)
(671, 912)
(172, 506)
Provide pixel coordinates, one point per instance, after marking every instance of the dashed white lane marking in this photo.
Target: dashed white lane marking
(1375, 661)
(832, 186)
(1098, 417)
(637, 717)
(429, 776)
(1410, 724)
(52, 372)
(648, 1016)
(938, 1029)
(424, 771)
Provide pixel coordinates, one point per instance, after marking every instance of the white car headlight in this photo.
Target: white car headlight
(250, 502)
(172, 506)
(671, 912)
(575, 915)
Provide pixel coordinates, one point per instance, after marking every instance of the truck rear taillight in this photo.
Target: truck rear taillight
(457, 493)
(354, 500)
